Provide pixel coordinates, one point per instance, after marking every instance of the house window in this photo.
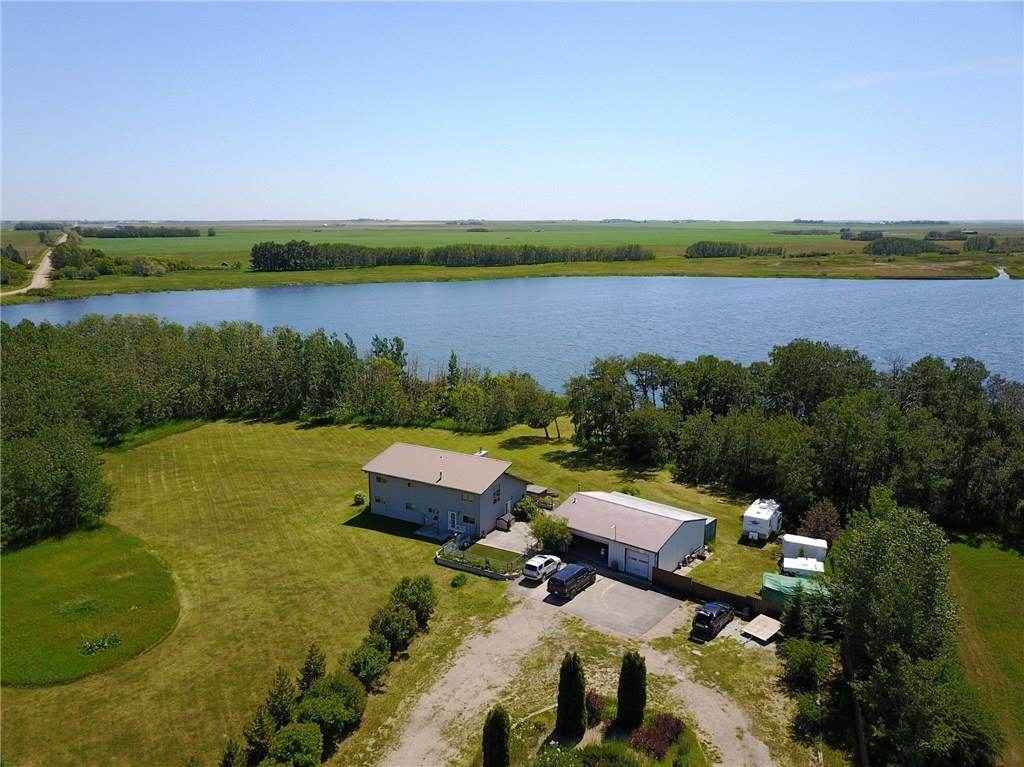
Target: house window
(409, 506)
(497, 493)
(467, 520)
(382, 480)
(408, 484)
(467, 497)
(376, 499)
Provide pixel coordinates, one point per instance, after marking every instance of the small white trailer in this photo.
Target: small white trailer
(802, 567)
(762, 519)
(798, 546)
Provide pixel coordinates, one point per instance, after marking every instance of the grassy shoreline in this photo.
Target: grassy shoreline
(859, 267)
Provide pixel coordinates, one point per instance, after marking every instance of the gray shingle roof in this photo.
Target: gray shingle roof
(431, 466)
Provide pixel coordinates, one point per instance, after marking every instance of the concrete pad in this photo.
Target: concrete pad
(609, 605)
(516, 540)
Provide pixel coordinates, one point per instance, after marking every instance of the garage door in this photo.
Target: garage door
(636, 562)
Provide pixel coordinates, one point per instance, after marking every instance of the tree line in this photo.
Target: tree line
(300, 255)
(904, 246)
(67, 389)
(817, 422)
(71, 261)
(717, 249)
(129, 231)
(882, 637)
(32, 226)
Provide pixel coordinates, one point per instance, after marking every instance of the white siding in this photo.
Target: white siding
(683, 542)
(511, 490)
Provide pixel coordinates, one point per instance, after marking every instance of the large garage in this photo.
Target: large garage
(633, 535)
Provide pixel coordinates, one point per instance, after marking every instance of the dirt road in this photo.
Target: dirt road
(483, 666)
(41, 276)
(486, 663)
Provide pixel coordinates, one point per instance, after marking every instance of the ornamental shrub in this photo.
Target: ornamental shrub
(497, 729)
(359, 499)
(345, 686)
(281, 698)
(657, 736)
(397, 624)
(313, 668)
(571, 719)
(257, 734)
(459, 580)
(632, 693)
(331, 715)
(297, 745)
(418, 595)
(369, 661)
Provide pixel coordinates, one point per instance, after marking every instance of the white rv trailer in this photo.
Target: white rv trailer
(762, 519)
(797, 546)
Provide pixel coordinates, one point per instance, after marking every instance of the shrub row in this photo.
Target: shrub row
(301, 722)
(300, 255)
(393, 627)
(715, 249)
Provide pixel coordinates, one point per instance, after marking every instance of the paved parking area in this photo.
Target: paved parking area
(609, 605)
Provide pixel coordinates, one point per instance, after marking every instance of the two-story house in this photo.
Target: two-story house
(447, 492)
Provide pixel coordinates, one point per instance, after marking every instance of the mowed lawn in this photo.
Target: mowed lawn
(81, 604)
(986, 581)
(256, 523)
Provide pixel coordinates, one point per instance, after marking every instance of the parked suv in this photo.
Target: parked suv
(541, 566)
(712, 618)
(571, 580)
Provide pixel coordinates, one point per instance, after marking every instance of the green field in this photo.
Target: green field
(222, 261)
(257, 525)
(60, 595)
(986, 581)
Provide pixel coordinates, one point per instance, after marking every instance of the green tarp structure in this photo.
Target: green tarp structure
(776, 589)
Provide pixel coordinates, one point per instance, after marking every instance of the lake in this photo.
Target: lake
(554, 327)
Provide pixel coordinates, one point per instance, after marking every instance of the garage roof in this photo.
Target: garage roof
(637, 522)
(444, 468)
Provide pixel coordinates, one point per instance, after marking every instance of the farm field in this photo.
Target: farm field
(986, 582)
(256, 524)
(222, 261)
(27, 242)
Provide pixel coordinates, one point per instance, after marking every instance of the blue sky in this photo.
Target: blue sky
(762, 111)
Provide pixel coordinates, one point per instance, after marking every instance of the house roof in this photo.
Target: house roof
(444, 468)
(762, 508)
(637, 522)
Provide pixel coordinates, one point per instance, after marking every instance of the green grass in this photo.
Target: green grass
(498, 557)
(61, 594)
(986, 581)
(750, 677)
(217, 256)
(257, 525)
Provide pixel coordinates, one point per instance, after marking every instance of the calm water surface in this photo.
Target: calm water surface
(554, 327)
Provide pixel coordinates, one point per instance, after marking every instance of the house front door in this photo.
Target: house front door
(453, 521)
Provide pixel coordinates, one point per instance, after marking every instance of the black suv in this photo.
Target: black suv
(712, 618)
(571, 580)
